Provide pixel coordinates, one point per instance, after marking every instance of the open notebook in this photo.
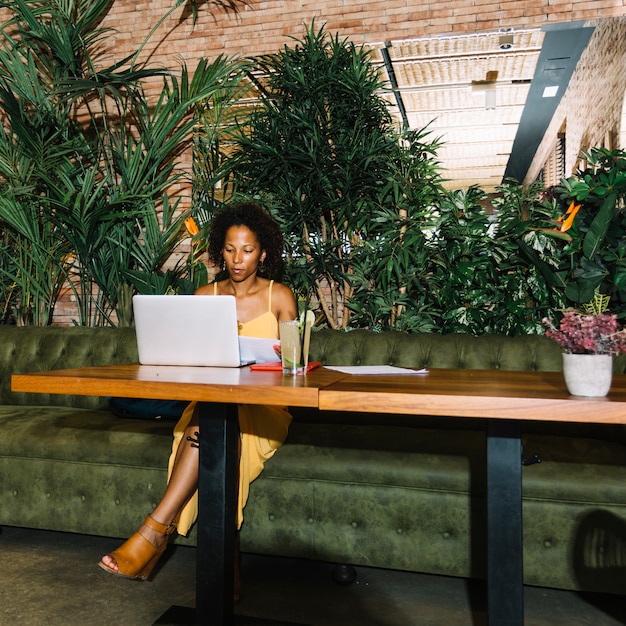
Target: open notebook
(187, 330)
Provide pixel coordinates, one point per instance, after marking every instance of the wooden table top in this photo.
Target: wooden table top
(477, 394)
(204, 384)
(458, 393)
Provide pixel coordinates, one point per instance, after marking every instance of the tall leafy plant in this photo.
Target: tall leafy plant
(323, 153)
(587, 226)
(593, 200)
(463, 282)
(483, 271)
(90, 168)
(391, 269)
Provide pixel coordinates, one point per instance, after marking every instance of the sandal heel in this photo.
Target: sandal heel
(137, 557)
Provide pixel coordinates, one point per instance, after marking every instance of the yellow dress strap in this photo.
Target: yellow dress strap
(269, 301)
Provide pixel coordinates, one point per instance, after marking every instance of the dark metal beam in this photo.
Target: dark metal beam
(394, 86)
(562, 47)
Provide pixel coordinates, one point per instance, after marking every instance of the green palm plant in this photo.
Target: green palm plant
(90, 171)
(34, 263)
(215, 136)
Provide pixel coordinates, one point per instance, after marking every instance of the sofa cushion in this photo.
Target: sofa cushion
(363, 347)
(95, 436)
(398, 496)
(453, 459)
(80, 470)
(458, 350)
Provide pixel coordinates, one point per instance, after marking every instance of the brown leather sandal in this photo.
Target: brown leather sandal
(137, 556)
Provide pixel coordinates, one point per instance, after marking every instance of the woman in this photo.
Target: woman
(247, 243)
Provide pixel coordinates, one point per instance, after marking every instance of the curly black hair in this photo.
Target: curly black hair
(266, 230)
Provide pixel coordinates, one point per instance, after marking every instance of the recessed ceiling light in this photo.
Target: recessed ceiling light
(505, 42)
(550, 92)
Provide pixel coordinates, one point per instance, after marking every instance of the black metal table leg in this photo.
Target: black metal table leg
(217, 499)
(505, 591)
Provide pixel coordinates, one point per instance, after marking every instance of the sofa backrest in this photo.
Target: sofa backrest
(39, 349)
(363, 347)
(36, 349)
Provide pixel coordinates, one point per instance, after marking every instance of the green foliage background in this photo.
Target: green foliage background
(373, 238)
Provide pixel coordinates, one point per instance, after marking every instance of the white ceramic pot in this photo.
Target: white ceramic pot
(588, 374)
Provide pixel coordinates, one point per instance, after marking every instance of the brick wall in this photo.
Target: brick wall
(265, 25)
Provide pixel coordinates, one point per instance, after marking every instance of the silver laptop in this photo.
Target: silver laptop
(187, 330)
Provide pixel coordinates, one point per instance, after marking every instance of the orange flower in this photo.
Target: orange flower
(571, 214)
(191, 226)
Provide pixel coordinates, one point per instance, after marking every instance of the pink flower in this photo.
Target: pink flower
(582, 333)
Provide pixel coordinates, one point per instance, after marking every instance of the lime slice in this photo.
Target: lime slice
(310, 317)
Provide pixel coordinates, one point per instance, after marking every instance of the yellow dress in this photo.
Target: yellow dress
(262, 429)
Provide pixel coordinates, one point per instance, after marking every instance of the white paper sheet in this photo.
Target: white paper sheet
(258, 350)
(374, 369)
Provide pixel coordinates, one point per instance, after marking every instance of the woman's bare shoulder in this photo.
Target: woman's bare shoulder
(283, 302)
(279, 290)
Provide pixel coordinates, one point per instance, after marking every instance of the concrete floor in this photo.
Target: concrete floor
(52, 579)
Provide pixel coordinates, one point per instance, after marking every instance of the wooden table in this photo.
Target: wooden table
(218, 391)
(505, 398)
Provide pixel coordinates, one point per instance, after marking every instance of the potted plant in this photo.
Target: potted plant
(590, 338)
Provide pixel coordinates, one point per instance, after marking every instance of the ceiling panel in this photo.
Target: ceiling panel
(470, 90)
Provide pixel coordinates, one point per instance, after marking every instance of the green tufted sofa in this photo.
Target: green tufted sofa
(385, 491)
